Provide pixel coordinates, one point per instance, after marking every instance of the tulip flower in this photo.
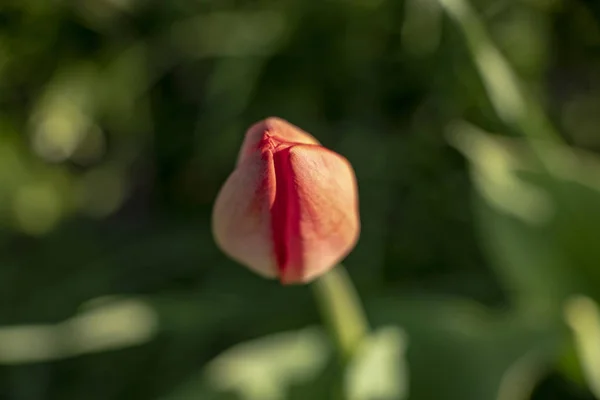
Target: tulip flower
(289, 210)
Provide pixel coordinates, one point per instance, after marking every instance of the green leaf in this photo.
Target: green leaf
(263, 369)
(539, 224)
(583, 316)
(378, 370)
(461, 350)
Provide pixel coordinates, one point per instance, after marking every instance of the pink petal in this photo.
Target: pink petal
(241, 217)
(316, 219)
(278, 129)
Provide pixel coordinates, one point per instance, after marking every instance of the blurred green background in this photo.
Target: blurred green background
(473, 129)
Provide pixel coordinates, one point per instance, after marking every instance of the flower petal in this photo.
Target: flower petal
(328, 217)
(241, 217)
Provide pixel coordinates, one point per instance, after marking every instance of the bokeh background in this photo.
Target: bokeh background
(473, 128)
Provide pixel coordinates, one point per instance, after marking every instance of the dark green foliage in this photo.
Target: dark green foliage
(120, 120)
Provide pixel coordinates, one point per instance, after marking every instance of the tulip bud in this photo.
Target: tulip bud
(289, 210)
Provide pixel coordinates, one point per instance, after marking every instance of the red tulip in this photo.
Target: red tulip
(289, 210)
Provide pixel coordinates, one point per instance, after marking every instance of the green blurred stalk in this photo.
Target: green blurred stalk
(342, 310)
(510, 101)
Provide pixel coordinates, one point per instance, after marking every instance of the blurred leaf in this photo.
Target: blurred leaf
(64, 115)
(583, 316)
(459, 350)
(264, 369)
(111, 324)
(510, 99)
(378, 370)
(540, 225)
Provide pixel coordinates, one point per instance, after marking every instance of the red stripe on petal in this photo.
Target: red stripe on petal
(285, 220)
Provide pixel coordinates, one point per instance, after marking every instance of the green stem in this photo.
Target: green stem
(342, 310)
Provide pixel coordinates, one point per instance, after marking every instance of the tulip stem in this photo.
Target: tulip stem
(342, 310)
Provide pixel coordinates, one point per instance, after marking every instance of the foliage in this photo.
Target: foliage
(477, 263)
